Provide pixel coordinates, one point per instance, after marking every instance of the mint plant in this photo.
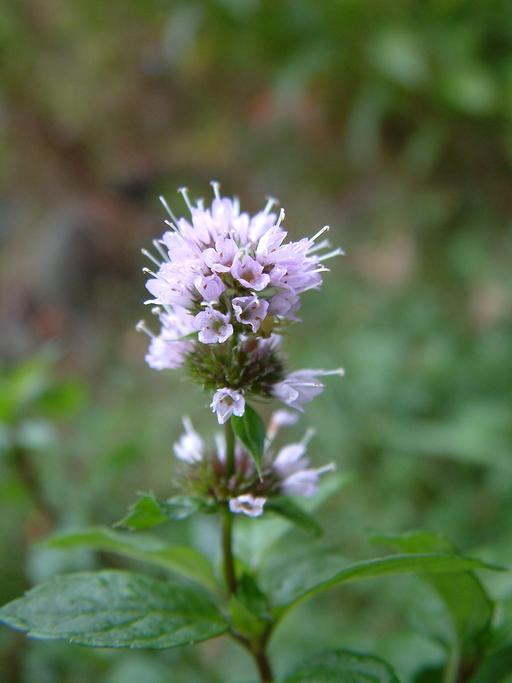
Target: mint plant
(225, 286)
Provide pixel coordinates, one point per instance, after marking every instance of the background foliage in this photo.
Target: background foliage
(392, 122)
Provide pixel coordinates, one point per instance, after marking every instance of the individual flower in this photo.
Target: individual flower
(249, 273)
(304, 482)
(190, 447)
(249, 310)
(290, 459)
(302, 386)
(213, 326)
(227, 402)
(220, 259)
(247, 504)
(281, 418)
(168, 349)
(210, 287)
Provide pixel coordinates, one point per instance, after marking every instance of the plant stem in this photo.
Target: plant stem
(227, 529)
(264, 668)
(258, 652)
(230, 449)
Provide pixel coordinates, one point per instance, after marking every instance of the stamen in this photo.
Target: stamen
(271, 201)
(167, 208)
(336, 252)
(187, 423)
(150, 256)
(326, 373)
(216, 188)
(200, 204)
(326, 228)
(142, 327)
(171, 225)
(158, 246)
(150, 272)
(281, 218)
(318, 247)
(184, 193)
(310, 433)
(331, 467)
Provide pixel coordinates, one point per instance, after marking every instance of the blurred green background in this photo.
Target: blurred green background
(391, 122)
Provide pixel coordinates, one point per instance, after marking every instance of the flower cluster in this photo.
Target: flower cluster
(224, 286)
(285, 472)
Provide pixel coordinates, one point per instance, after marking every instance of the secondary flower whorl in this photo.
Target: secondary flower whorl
(287, 472)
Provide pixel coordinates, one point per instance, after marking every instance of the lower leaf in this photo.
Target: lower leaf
(343, 666)
(293, 580)
(183, 560)
(115, 609)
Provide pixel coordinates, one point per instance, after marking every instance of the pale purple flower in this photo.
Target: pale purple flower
(249, 273)
(213, 326)
(290, 459)
(210, 287)
(227, 402)
(221, 259)
(304, 482)
(167, 350)
(247, 504)
(249, 310)
(302, 386)
(170, 287)
(284, 304)
(281, 418)
(190, 447)
(219, 264)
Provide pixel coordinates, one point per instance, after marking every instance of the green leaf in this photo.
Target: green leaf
(296, 579)
(115, 609)
(251, 431)
(146, 548)
(495, 668)
(343, 666)
(288, 508)
(463, 595)
(148, 511)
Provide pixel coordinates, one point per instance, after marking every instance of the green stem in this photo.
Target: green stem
(230, 449)
(227, 529)
(264, 667)
(258, 652)
(227, 549)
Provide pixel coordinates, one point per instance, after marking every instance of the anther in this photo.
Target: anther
(184, 193)
(326, 228)
(171, 225)
(281, 218)
(216, 188)
(142, 327)
(271, 201)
